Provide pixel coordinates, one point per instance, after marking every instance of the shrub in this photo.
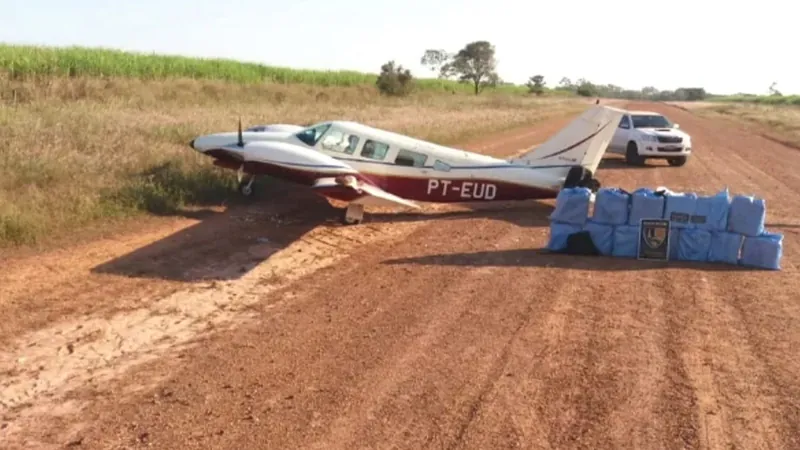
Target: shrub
(394, 80)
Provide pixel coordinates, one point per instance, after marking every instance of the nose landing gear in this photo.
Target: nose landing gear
(245, 186)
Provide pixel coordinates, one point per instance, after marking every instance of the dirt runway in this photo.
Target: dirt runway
(267, 326)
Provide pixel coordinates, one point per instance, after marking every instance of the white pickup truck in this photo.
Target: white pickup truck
(643, 135)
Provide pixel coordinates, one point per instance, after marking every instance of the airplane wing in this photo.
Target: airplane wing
(364, 193)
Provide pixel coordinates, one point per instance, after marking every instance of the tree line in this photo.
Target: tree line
(475, 64)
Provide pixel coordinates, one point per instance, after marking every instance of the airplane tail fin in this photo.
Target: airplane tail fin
(581, 143)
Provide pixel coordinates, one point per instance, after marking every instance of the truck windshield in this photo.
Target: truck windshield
(650, 121)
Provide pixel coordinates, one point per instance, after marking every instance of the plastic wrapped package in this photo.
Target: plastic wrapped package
(747, 215)
(602, 236)
(695, 243)
(626, 241)
(645, 204)
(725, 247)
(711, 212)
(611, 206)
(679, 208)
(559, 233)
(572, 206)
(764, 251)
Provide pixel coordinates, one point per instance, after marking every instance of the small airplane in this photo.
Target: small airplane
(366, 166)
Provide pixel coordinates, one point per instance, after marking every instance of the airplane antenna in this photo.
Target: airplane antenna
(241, 140)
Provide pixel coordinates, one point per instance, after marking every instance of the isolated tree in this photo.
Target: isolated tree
(475, 64)
(394, 80)
(435, 59)
(535, 84)
(773, 90)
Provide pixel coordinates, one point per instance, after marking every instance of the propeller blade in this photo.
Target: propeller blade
(241, 140)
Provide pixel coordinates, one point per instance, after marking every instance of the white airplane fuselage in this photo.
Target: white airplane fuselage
(336, 158)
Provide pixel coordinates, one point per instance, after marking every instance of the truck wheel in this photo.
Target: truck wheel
(677, 162)
(632, 156)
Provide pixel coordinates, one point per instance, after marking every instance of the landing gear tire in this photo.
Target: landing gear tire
(677, 162)
(632, 156)
(353, 214)
(581, 177)
(246, 188)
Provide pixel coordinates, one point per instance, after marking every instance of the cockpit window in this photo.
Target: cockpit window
(310, 136)
(257, 128)
(337, 141)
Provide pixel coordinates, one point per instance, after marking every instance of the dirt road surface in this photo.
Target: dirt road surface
(268, 326)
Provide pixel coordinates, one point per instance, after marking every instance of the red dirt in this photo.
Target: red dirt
(446, 329)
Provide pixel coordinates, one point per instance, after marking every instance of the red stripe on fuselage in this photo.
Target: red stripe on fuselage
(411, 188)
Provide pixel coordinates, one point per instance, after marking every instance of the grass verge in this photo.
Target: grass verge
(777, 122)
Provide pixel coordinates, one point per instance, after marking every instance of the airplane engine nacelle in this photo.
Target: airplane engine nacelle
(295, 156)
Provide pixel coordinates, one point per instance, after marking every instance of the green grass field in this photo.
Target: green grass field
(33, 61)
(93, 139)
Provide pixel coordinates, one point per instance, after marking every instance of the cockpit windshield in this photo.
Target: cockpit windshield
(650, 121)
(310, 136)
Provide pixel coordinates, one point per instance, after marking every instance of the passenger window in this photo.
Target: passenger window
(624, 122)
(374, 150)
(409, 158)
(441, 166)
(337, 141)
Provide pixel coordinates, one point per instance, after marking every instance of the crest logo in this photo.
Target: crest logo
(654, 237)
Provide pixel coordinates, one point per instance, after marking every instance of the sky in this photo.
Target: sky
(723, 46)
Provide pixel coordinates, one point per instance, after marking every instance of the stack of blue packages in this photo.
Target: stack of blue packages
(569, 216)
(694, 244)
(763, 251)
(747, 215)
(610, 210)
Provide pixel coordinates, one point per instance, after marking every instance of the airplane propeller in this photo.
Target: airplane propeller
(240, 142)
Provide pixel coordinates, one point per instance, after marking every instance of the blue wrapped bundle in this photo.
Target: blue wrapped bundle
(674, 243)
(572, 206)
(694, 244)
(764, 251)
(679, 208)
(626, 241)
(645, 204)
(602, 236)
(611, 206)
(725, 247)
(559, 233)
(711, 212)
(747, 215)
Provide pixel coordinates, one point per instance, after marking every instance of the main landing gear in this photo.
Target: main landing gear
(581, 177)
(245, 185)
(353, 214)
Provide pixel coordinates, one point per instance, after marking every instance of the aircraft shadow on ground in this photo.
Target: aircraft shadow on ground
(227, 245)
(540, 257)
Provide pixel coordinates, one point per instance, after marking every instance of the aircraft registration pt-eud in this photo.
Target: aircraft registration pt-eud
(365, 166)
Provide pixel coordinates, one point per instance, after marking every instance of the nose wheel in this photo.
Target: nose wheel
(245, 185)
